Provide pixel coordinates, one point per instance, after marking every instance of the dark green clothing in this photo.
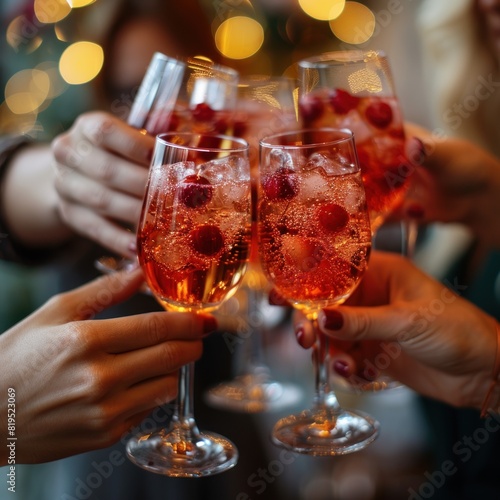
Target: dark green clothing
(471, 443)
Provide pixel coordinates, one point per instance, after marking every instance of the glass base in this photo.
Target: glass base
(324, 433)
(165, 453)
(253, 394)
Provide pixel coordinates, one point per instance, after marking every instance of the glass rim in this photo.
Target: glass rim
(341, 57)
(348, 137)
(187, 62)
(238, 144)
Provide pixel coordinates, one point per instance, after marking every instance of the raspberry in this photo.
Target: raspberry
(342, 102)
(195, 191)
(281, 185)
(203, 112)
(379, 114)
(207, 240)
(310, 108)
(332, 217)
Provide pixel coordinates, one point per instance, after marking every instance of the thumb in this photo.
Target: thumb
(364, 323)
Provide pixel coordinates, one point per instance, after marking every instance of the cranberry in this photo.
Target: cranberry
(332, 217)
(195, 191)
(281, 185)
(342, 102)
(379, 114)
(310, 108)
(207, 240)
(203, 112)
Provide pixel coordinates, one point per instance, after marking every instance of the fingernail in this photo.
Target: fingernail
(333, 320)
(341, 367)
(210, 325)
(300, 334)
(417, 151)
(415, 211)
(132, 247)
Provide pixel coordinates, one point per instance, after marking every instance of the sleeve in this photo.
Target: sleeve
(9, 250)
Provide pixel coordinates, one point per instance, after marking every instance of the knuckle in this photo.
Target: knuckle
(107, 169)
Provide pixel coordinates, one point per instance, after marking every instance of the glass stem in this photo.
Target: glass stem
(409, 233)
(183, 420)
(324, 397)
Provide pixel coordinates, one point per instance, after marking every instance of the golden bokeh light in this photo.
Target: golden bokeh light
(355, 25)
(76, 4)
(27, 90)
(323, 10)
(11, 123)
(57, 84)
(51, 11)
(20, 35)
(81, 62)
(239, 37)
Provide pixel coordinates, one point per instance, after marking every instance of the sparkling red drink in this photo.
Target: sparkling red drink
(357, 94)
(193, 243)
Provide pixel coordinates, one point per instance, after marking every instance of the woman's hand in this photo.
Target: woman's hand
(81, 383)
(453, 180)
(418, 330)
(101, 178)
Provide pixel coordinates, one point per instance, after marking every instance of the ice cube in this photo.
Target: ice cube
(278, 158)
(331, 163)
(354, 195)
(313, 186)
(225, 169)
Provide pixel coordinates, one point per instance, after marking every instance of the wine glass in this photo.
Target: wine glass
(184, 95)
(265, 105)
(193, 246)
(354, 89)
(314, 242)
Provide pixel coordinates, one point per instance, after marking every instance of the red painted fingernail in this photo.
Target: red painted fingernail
(300, 334)
(333, 319)
(341, 367)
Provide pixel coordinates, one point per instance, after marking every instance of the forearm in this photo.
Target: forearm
(28, 201)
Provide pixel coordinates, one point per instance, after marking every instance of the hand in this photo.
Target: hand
(426, 336)
(81, 383)
(102, 174)
(457, 182)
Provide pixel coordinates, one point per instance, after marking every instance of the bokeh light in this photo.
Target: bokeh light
(75, 4)
(355, 25)
(81, 62)
(323, 10)
(239, 37)
(23, 35)
(51, 11)
(26, 91)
